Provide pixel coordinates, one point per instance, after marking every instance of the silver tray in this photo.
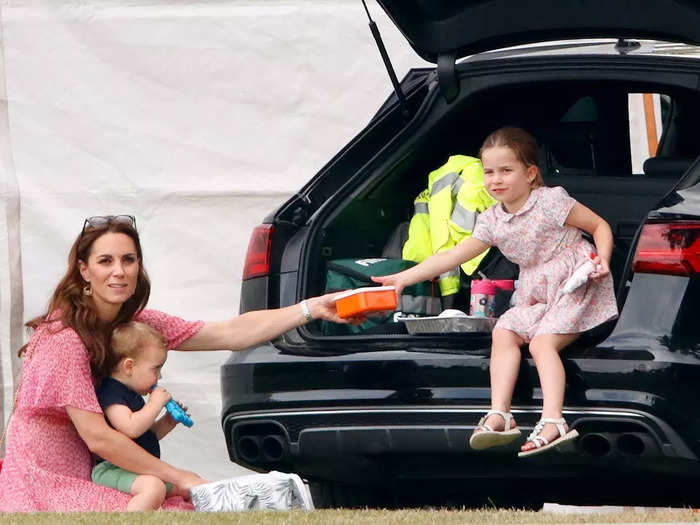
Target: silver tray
(442, 325)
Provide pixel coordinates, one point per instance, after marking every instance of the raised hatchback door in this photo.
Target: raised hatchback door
(465, 27)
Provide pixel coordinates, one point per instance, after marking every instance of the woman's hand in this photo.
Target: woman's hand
(186, 480)
(601, 268)
(323, 307)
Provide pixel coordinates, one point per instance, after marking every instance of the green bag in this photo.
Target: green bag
(420, 300)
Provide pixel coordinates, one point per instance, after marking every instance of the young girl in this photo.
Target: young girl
(538, 228)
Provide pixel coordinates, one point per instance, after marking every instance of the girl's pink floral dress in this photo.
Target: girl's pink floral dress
(47, 465)
(548, 251)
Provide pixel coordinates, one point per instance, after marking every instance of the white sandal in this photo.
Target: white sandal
(543, 444)
(487, 437)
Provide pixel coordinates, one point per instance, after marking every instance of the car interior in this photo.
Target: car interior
(583, 131)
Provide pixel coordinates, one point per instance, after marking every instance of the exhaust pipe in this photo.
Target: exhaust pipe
(249, 448)
(596, 444)
(630, 444)
(635, 443)
(274, 447)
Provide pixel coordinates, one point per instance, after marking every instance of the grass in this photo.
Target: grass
(347, 517)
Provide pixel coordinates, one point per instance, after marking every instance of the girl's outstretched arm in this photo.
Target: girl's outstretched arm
(434, 265)
(587, 220)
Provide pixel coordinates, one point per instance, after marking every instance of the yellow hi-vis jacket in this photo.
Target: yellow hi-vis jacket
(445, 214)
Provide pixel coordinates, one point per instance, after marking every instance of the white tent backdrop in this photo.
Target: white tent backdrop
(199, 118)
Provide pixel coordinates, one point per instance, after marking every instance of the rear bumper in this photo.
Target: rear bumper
(389, 444)
(386, 416)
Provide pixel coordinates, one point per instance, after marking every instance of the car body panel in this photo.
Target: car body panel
(376, 405)
(461, 28)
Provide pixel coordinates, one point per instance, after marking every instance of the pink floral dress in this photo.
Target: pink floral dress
(47, 465)
(548, 251)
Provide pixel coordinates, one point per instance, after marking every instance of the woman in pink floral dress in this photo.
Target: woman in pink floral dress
(539, 229)
(57, 422)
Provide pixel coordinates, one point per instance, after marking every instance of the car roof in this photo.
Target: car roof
(459, 28)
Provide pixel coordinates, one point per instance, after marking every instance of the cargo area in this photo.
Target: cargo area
(583, 132)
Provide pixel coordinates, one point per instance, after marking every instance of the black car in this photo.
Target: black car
(384, 417)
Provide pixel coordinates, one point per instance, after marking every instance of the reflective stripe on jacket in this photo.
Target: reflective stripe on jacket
(454, 198)
(417, 247)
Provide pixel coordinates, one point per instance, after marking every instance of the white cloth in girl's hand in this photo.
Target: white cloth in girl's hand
(578, 278)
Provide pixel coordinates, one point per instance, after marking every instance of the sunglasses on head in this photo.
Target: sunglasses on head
(100, 221)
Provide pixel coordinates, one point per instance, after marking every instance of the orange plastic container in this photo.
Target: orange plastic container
(365, 300)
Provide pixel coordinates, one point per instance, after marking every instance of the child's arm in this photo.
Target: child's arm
(434, 265)
(585, 219)
(165, 424)
(133, 424)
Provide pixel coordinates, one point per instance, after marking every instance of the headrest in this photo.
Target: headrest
(666, 166)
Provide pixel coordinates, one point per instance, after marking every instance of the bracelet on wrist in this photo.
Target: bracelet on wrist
(305, 310)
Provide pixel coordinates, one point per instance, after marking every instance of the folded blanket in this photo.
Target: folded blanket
(272, 491)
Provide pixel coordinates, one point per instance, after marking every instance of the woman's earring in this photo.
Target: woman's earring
(87, 290)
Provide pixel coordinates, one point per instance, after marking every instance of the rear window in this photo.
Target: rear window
(606, 134)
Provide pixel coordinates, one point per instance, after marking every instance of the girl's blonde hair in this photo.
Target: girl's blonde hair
(521, 143)
(129, 339)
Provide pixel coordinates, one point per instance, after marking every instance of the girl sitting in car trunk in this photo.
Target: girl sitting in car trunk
(538, 228)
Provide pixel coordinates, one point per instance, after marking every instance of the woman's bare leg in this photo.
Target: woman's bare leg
(550, 369)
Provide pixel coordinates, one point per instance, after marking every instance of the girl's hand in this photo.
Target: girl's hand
(601, 268)
(391, 280)
(323, 307)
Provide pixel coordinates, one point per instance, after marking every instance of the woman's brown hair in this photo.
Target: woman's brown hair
(521, 143)
(77, 310)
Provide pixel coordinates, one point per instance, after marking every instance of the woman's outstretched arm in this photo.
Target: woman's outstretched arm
(251, 328)
(118, 449)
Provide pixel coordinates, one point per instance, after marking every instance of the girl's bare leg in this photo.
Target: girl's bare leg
(504, 367)
(550, 369)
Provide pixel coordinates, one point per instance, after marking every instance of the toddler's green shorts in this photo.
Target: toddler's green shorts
(108, 475)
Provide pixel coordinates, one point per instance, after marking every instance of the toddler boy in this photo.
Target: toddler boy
(139, 352)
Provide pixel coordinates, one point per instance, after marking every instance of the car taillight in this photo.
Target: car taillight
(668, 248)
(257, 260)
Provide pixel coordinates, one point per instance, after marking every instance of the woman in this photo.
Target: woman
(57, 422)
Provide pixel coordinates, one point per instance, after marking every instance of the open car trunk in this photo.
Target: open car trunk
(583, 129)
(459, 28)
